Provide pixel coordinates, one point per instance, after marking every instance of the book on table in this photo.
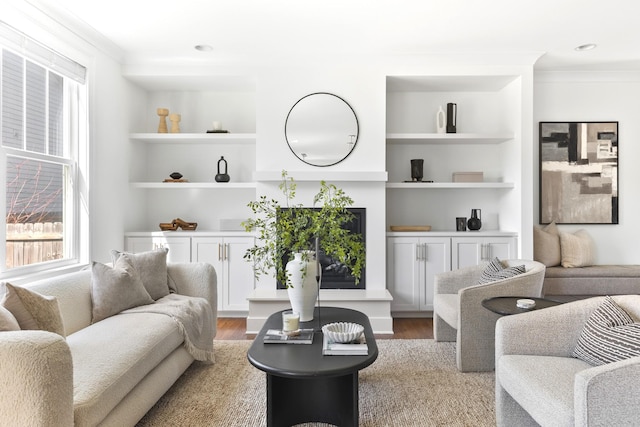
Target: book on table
(276, 336)
(354, 348)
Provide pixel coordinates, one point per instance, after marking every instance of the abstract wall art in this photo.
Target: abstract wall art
(579, 172)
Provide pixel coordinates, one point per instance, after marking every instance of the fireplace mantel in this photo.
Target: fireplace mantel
(375, 303)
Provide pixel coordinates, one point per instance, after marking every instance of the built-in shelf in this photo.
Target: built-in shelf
(448, 138)
(450, 185)
(188, 185)
(195, 138)
(326, 175)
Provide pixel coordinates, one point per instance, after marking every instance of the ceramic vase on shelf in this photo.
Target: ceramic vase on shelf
(475, 222)
(302, 286)
(222, 176)
(441, 120)
(417, 169)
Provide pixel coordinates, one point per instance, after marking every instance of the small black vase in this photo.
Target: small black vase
(417, 166)
(222, 176)
(474, 223)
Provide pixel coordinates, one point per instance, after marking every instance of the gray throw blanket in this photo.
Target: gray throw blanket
(194, 318)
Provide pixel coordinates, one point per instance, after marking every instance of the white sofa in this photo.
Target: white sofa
(109, 373)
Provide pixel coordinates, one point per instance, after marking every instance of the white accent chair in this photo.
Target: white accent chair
(539, 383)
(458, 314)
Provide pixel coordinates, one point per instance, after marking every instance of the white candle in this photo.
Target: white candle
(290, 321)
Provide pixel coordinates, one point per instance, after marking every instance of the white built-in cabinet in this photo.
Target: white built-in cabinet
(235, 274)
(413, 260)
(195, 153)
(467, 251)
(224, 251)
(179, 247)
(412, 263)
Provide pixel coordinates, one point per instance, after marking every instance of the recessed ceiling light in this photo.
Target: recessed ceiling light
(587, 46)
(204, 47)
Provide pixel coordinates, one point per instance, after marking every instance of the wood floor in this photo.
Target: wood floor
(234, 329)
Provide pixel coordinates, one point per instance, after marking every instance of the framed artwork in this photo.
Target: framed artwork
(579, 172)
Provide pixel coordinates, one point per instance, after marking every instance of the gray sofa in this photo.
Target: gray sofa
(538, 382)
(107, 373)
(570, 284)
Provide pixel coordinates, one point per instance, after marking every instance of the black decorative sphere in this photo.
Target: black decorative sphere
(474, 224)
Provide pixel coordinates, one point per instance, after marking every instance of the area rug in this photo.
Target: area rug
(412, 383)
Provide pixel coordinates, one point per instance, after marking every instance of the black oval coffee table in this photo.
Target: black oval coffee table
(302, 384)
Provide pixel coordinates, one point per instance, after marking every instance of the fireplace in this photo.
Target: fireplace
(334, 274)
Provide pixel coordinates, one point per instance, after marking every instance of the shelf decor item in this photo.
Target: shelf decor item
(417, 169)
(579, 172)
(475, 222)
(175, 122)
(222, 176)
(283, 229)
(441, 120)
(461, 223)
(162, 125)
(452, 113)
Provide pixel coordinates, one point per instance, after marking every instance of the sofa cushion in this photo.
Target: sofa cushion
(496, 271)
(32, 310)
(577, 249)
(8, 321)
(106, 364)
(152, 268)
(542, 385)
(116, 289)
(546, 245)
(609, 335)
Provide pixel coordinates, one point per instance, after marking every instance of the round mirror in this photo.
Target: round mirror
(321, 129)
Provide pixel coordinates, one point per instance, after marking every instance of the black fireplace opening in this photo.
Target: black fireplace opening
(336, 275)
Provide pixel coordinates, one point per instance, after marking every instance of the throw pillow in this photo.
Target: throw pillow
(546, 245)
(496, 271)
(577, 249)
(609, 335)
(33, 310)
(116, 288)
(152, 268)
(7, 321)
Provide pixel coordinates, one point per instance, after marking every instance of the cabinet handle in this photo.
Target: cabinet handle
(225, 247)
(219, 252)
(424, 251)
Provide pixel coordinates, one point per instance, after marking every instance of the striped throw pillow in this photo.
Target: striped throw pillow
(609, 335)
(496, 271)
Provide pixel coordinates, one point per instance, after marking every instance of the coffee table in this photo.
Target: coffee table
(508, 305)
(302, 384)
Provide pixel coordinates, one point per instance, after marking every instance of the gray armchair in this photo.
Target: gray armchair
(458, 314)
(539, 383)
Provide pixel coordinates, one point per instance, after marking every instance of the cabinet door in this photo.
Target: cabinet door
(239, 277)
(179, 247)
(405, 273)
(209, 249)
(469, 251)
(436, 254)
(235, 275)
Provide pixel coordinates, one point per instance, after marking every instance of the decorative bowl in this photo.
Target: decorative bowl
(342, 331)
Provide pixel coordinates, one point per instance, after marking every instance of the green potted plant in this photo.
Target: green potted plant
(283, 230)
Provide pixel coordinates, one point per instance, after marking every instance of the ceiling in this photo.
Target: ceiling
(263, 30)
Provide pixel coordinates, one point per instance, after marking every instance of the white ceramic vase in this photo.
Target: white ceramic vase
(302, 286)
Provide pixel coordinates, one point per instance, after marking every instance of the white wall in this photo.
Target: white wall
(599, 97)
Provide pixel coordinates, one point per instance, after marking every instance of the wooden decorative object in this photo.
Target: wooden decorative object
(410, 228)
(169, 226)
(163, 113)
(187, 226)
(175, 122)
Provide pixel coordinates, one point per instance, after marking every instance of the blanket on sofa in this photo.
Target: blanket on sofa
(194, 318)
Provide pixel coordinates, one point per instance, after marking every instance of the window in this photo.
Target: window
(42, 128)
